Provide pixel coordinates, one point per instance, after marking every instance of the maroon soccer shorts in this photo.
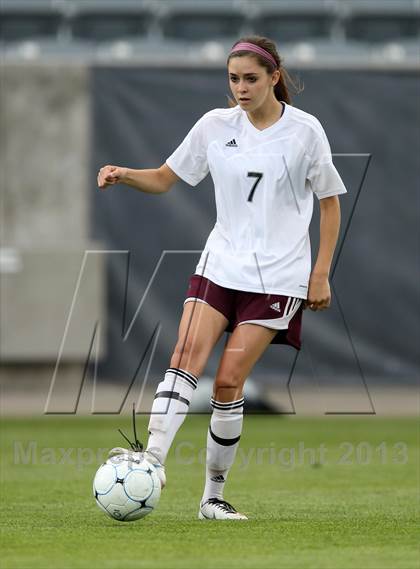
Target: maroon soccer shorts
(282, 313)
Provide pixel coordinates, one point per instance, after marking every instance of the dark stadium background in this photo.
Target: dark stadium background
(85, 83)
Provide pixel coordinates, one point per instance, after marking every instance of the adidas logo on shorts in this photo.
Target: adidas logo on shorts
(276, 306)
(231, 143)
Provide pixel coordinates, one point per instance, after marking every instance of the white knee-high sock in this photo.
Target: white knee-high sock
(222, 443)
(169, 410)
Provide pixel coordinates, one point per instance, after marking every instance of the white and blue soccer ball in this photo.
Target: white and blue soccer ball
(127, 487)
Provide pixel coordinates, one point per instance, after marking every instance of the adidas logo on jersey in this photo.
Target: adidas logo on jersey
(276, 306)
(218, 478)
(231, 143)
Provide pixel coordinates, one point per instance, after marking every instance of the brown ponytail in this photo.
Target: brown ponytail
(285, 84)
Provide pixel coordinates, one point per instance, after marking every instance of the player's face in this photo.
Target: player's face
(250, 83)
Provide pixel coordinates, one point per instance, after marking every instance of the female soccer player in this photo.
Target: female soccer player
(267, 159)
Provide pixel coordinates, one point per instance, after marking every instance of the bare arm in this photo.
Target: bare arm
(319, 294)
(151, 181)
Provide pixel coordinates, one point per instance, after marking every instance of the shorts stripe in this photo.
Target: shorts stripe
(290, 306)
(281, 323)
(194, 299)
(296, 303)
(286, 308)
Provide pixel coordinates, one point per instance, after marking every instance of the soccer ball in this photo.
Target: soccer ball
(127, 487)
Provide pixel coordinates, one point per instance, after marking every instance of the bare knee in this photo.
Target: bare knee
(228, 387)
(190, 355)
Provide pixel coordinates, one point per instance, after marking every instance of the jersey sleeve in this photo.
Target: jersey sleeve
(189, 160)
(322, 175)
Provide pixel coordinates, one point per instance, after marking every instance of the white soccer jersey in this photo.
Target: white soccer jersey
(264, 182)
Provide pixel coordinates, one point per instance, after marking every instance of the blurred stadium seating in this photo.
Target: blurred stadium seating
(158, 27)
(383, 22)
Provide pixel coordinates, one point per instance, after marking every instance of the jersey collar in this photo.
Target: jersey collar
(270, 128)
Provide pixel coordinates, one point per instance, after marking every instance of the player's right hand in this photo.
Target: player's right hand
(111, 175)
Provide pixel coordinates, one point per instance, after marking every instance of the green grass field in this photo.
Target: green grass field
(352, 502)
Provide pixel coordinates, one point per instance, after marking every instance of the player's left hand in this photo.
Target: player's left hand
(319, 293)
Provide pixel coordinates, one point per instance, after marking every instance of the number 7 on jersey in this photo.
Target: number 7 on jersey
(258, 176)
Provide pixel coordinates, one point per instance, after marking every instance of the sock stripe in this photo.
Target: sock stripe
(226, 406)
(192, 380)
(230, 408)
(223, 442)
(241, 400)
(172, 395)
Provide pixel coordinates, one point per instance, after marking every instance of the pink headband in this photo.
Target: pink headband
(245, 46)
